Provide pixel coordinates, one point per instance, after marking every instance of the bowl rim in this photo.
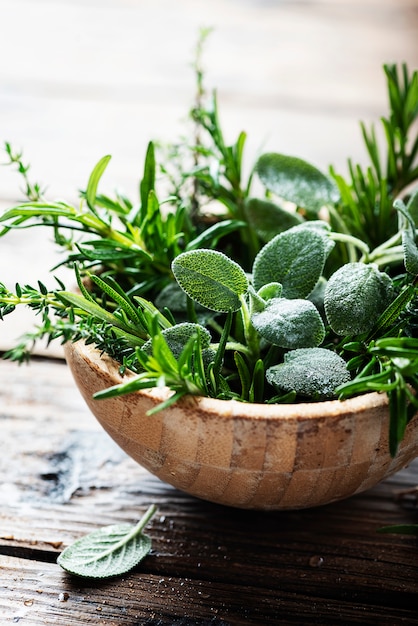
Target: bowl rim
(109, 368)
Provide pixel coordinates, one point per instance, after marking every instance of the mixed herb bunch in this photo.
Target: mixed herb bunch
(305, 292)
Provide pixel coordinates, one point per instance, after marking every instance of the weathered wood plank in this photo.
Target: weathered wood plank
(62, 477)
(40, 594)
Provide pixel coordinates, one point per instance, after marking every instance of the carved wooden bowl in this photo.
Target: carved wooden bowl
(248, 455)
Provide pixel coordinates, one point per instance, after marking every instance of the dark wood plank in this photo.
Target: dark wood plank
(39, 594)
(61, 477)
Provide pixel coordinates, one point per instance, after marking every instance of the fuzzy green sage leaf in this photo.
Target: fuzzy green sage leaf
(290, 324)
(177, 337)
(311, 372)
(296, 180)
(211, 279)
(412, 206)
(295, 259)
(355, 296)
(109, 551)
(268, 219)
(410, 252)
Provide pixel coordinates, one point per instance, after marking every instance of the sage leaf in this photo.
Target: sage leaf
(410, 252)
(323, 229)
(109, 551)
(317, 295)
(290, 324)
(211, 279)
(409, 233)
(355, 296)
(268, 219)
(173, 298)
(412, 206)
(271, 290)
(312, 372)
(295, 259)
(296, 180)
(177, 337)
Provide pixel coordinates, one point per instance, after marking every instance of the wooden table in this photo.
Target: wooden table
(63, 477)
(82, 79)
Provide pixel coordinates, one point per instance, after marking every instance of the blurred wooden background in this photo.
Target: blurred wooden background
(84, 78)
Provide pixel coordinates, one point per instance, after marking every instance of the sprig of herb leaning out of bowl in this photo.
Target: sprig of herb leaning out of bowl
(278, 298)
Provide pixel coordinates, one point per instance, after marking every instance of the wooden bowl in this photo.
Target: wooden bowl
(248, 455)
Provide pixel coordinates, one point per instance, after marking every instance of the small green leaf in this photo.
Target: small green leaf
(355, 296)
(177, 337)
(312, 372)
(410, 249)
(256, 391)
(401, 529)
(412, 206)
(402, 347)
(399, 205)
(210, 236)
(268, 219)
(109, 551)
(244, 375)
(90, 306)
(271, 290)
(296, 180)
(393, 311)
(317, 295)
(94, 179)
(291, 324)
(147, 183)
(111, 251)
(172, 297)
(211, 279)
(410, 252)
(321, 228)
(27, 210)
(398, 415)
(295, 259)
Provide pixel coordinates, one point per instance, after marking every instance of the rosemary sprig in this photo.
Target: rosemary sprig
(368, 195)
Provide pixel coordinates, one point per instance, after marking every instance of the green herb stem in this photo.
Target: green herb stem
(352, 242)
(250, 334)
(389, 257)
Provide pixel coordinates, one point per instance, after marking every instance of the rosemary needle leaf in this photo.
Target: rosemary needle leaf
(403, 529)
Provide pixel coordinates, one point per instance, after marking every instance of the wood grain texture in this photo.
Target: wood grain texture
(61, 477)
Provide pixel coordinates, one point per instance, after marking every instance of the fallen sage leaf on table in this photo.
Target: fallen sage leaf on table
(109, 551)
